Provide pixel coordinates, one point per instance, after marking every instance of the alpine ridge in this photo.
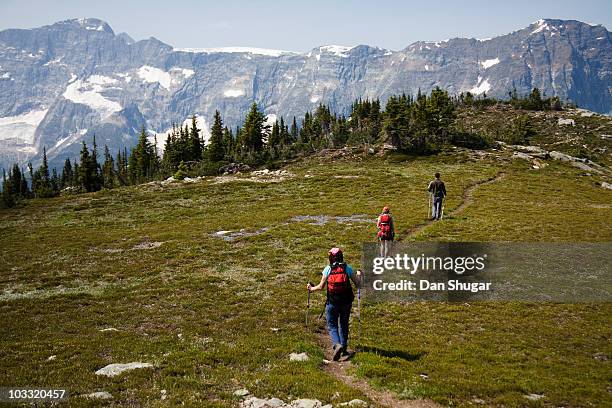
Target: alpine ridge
(60, 84)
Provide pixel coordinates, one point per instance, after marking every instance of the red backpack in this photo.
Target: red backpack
(385, 226)
(339, 288)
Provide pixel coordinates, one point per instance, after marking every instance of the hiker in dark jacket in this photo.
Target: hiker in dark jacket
(438, 192)
(337, 275)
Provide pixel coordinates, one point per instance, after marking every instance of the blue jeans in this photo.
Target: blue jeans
(437, 207)
(338, 314)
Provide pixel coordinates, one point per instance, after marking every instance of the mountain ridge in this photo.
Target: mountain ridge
(61, 83)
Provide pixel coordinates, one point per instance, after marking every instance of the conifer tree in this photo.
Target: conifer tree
(216, 150)
(194, 142)
(254, 130)
(108, 169)
(67, 174)
(228, 143)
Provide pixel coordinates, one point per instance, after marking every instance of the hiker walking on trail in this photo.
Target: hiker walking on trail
(338, 276)
(386, 231)
(437, 191)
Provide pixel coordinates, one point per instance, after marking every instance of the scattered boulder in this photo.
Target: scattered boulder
(164, 394)
(51, 358)
(234, 168)
(555, 155)
(147, 245)
(566, 122)
(520, 155)
(606, 185)
(192, 180)
(243, 392)
(354, 403)
(99, 395)
(112, 370)
(600, 356)
(534, 151)
(534, 397)
(305, 403)
(298, 357)
(108, 329)
(254, 402)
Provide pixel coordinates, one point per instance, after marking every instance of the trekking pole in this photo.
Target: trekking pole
(429, 206)
(308, 304)
(359, 307)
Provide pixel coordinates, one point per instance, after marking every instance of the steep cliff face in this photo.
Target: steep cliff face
(63, 83)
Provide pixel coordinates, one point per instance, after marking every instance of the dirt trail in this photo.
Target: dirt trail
(384, 398)
(466, 200)
(340, 369)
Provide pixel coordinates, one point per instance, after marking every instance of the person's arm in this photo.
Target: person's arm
(443, 189)
(378, 222)
(429, 187)
(319, 286)
(356, 278)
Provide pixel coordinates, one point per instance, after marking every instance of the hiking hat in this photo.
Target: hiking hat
(335, 251)
(335, 255)
(386, 210)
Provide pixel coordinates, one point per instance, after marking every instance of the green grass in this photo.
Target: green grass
(68, 269)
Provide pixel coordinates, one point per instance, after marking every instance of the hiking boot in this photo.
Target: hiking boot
(337, 352)
(345, 351)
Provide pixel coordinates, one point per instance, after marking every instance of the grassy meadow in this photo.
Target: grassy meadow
(214, 315)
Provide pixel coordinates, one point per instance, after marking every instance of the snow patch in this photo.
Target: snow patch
(270, 119)
(151, 75)
(540, 26)
(314, 99)
(481, 87)
(249, 50)
(166, 79)
(233, 93)
(489, 63)
(126, 77)
(339, 50)
(101, 80)
(21, 127)
(6, 75)
(87, 93)
(185, 72)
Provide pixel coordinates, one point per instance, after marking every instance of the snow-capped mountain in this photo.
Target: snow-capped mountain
(62, 83)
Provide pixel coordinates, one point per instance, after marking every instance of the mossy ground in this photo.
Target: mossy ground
(202, 309)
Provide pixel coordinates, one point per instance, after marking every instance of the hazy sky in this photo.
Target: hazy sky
(303, 25)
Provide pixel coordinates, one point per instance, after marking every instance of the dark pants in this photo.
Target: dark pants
(437, 207)
(338, 322)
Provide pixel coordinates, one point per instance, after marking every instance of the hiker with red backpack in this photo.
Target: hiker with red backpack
(386, 231)
(338, 276)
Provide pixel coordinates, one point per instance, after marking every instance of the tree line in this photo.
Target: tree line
(419, 124)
